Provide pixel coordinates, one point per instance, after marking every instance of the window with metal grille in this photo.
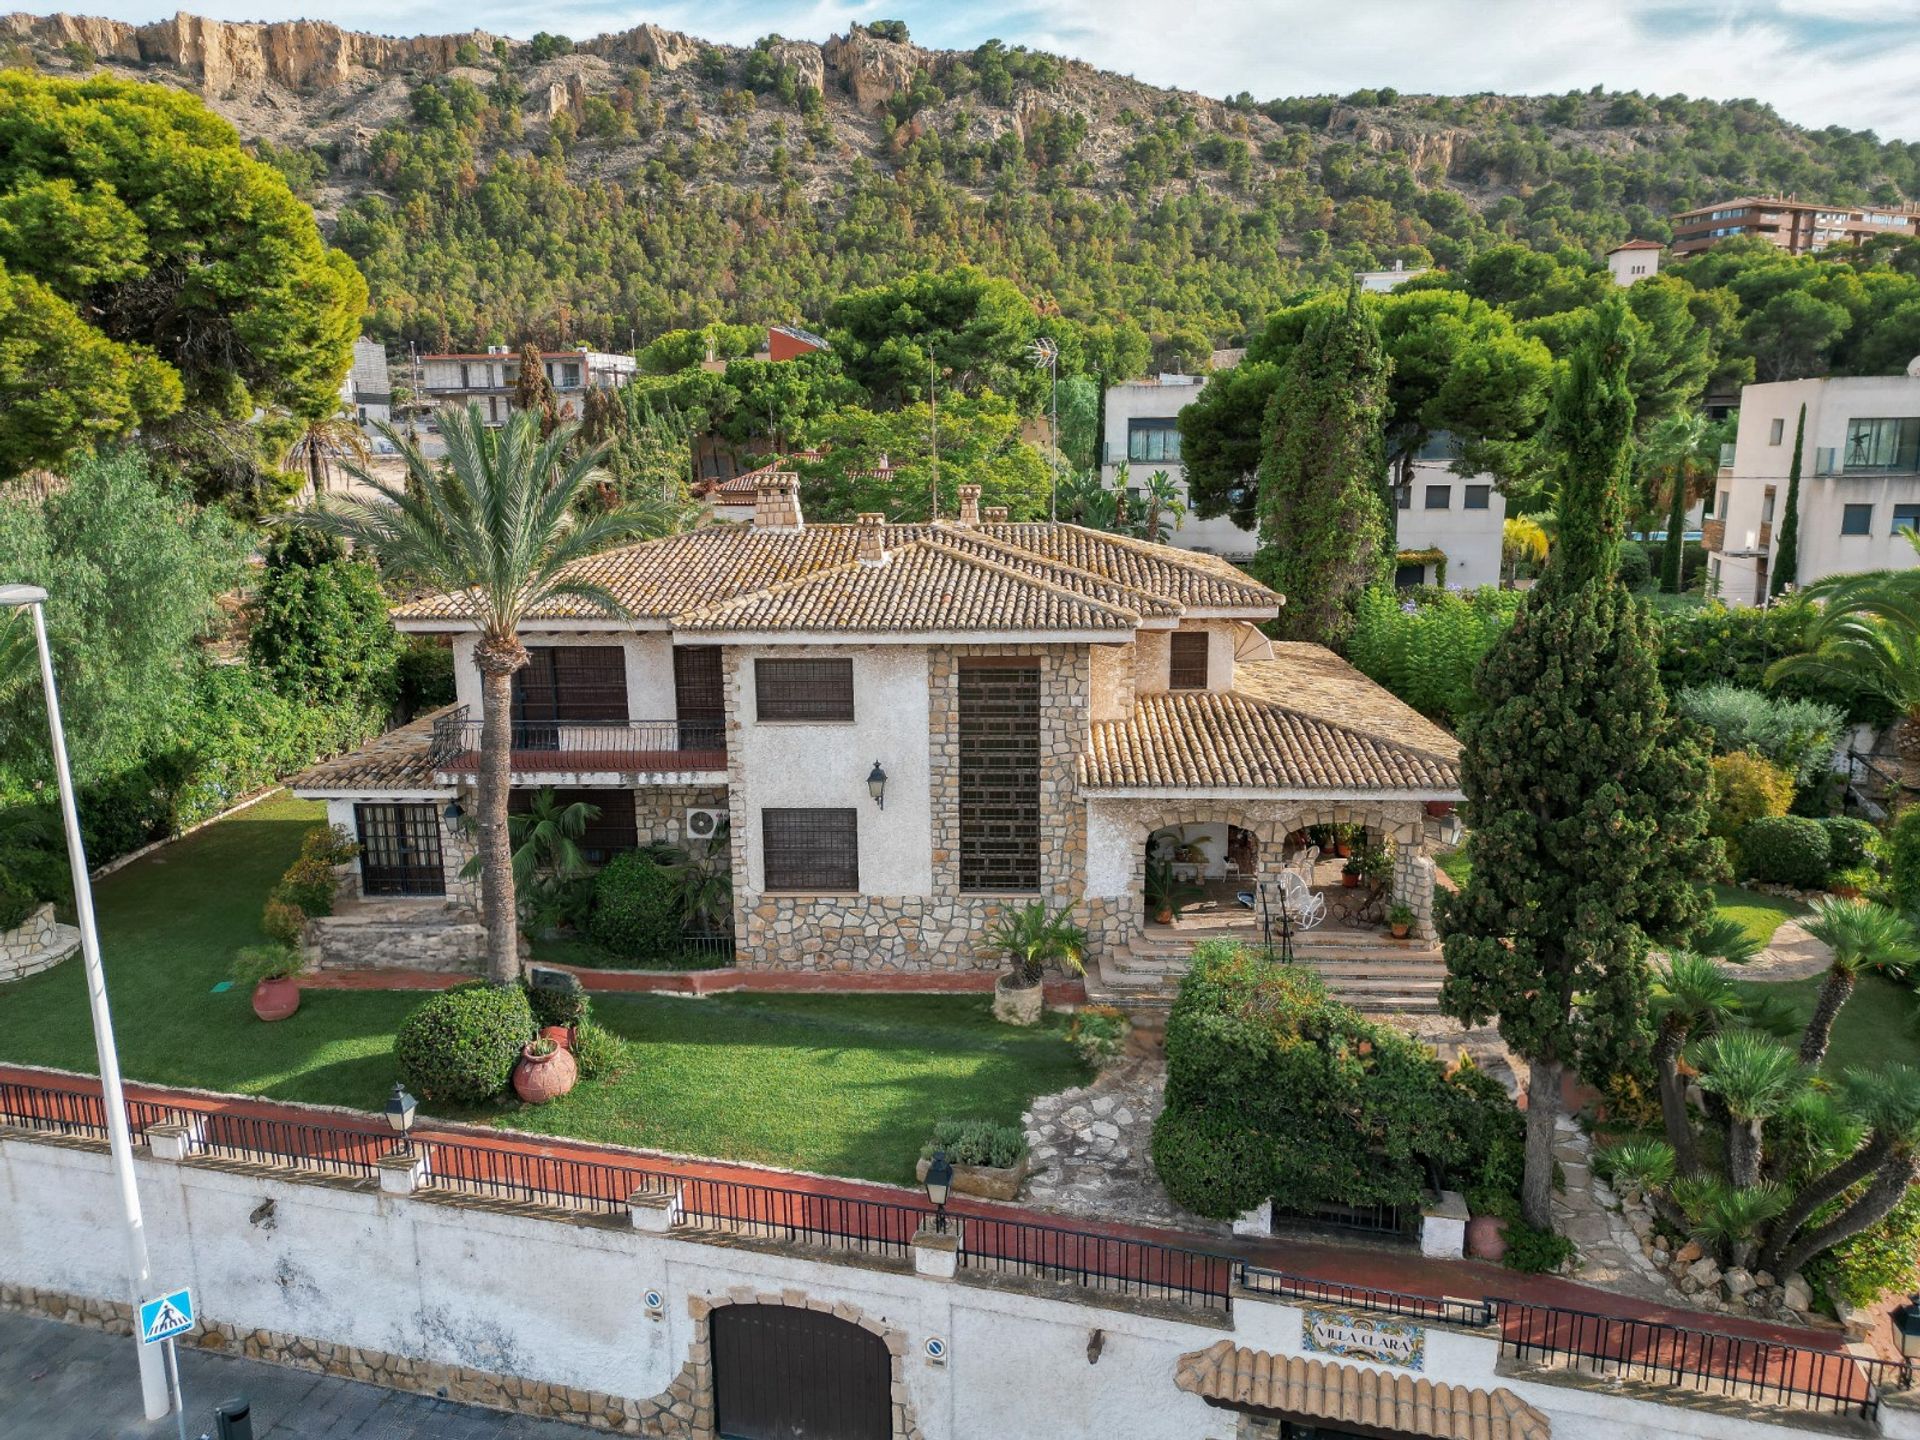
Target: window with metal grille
(817, 690)
(606, 834)
(699, 695)
(999, 712)
(811, 849)
(400, 850)
(1187, 660)
(571, 685)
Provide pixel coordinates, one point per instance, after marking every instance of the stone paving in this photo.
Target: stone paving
(66, 1382)
(1587, 1212)
(1792, 954)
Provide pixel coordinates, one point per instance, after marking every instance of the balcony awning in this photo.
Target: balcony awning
(1235, 1376)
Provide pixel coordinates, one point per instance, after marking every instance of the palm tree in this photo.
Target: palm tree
(1863, 936)
(1675, 457)
(1726, 1217)
(1692, 999)
(320, 444)
(1034, 936)
(1522, 540)
(1162, 498)
(500, 524)
(1866, 636)
(1754, 1076)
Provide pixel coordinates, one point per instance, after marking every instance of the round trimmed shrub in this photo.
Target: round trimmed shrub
(459, 1047)
(1849, 841)
(1786, 850)
(553, 1006)
(1211, 1163)
(636, 907)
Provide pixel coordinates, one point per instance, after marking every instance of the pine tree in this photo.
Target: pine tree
(1323, 521)
(1585, 795)
(1786, 553)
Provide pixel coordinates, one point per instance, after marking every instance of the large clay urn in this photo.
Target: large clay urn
(1486, 1237)
(276, 999)
(540, 1078)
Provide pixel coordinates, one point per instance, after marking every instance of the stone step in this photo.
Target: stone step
(1355, 966)
(1148, 990)
(1318, 942)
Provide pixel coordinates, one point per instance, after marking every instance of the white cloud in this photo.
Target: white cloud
(1819, 62)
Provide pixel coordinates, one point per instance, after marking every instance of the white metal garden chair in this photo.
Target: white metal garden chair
(1306, 906)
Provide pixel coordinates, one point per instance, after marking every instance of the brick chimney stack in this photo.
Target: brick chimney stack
(872, 528)
(969, 505)
(776, 502)
(995, 514)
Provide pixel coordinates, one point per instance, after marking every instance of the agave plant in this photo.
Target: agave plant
(1728, 1218)
(1862, 936)
(1755, 1076)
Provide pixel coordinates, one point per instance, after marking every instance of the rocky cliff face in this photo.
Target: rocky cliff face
(227, 59)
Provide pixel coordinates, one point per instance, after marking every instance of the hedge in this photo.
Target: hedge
(1786, 850)
(636, 907)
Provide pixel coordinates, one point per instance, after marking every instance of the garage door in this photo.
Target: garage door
(781, 1373)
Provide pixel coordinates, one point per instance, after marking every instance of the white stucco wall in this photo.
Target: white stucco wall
(561, 1302)
(791, 764)
(649, 657)
(1164, 397)
(1470, 538)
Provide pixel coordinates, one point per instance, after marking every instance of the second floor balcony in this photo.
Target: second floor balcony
(662, 750)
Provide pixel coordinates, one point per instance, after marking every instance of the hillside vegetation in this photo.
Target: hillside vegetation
(495, 190)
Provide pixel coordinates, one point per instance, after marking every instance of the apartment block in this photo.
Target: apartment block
(1799, 227)
(487, 378)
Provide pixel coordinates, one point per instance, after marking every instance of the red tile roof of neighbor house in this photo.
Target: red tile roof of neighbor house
(1637, 245)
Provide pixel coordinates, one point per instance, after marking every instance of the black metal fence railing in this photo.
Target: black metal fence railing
(261, 1140)
(1388, 1222)
(765, 1212)
(529, 1178)
(665, 746)
(1448, 1311)
(56, 1110)
(1142, 1269)
(1768, 1372)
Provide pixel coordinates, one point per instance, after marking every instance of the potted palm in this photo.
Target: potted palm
(1167, 892)
(1031, 938)
(271, 973)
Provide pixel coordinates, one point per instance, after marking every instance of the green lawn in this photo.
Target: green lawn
(843, 1084)
(1876, 1025)
(1457, 866)
(1760, 915)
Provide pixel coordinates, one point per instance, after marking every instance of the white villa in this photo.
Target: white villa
(1859, 482)
(900, 730)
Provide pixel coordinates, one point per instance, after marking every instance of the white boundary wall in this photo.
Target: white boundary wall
(561, 1301)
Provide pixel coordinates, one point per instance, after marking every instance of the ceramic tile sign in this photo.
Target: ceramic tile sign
(1354, 1336)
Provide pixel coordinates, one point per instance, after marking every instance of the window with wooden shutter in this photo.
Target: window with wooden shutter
(614, 829)
(1187, 660)
(811, 849)
(820, 690)
(571, 685)
(999, 734)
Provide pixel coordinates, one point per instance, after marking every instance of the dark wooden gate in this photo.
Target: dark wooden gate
(781, 1373)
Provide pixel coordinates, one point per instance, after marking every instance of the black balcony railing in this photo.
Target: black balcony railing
(662, 747)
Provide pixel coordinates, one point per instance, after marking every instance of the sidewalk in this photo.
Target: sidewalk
(1382, 1268)
(65, 1382)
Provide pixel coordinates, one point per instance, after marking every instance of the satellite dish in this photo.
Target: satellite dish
(1913, 368)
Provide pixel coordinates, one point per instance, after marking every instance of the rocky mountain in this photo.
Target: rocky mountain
(494, 189)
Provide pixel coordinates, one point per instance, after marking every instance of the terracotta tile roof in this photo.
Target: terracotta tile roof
(1314, 681)
(397, 760)
(924, 586)
(1222, 739)
(740, 489)
(1356, 1395)
(680, 574)
(1080, 582)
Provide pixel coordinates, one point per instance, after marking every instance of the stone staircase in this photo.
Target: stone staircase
(1368, 969)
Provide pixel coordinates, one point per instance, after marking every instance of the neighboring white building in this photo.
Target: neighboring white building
(1381, 282)
(1143, 435)
(367, 390)
(1859, 482)
(488, 378)
(1634, 261)
(1444, 513)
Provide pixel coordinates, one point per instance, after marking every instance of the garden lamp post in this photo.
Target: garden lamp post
(939, 1182)
(400, 1108)
(1906, 1330)
(153, 1384)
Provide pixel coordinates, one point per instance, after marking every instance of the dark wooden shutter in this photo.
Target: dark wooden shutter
(999, 775)
(1187, 660)
(571, 685)
(811, 849)
(699, 696)
(817, 690)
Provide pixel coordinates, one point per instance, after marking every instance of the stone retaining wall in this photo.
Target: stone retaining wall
(427, 935)
(38, 943)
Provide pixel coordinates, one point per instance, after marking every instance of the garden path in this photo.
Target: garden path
(1587, 1212)
(1792, 954)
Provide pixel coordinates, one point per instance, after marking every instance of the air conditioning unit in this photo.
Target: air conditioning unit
(706, 824)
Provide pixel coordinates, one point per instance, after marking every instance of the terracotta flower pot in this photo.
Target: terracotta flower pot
(1400, 931)
(561, 1035)
(1348, 879)
(1163, 916)
(1439, 809)
(540, 1078)
(1486, 1237)
(276, 999)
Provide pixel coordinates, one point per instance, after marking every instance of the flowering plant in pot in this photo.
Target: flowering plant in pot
(1399, 920)
(1031, 938)
(546, 1071)
(271, 973)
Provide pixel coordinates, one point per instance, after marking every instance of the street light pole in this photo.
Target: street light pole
(153, 1382)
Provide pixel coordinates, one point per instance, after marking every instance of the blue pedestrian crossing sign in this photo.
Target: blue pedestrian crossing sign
(166, 1317)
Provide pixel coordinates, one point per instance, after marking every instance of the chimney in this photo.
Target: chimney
(969, 505)
(776, 502)
(872, 528)
(995, 514)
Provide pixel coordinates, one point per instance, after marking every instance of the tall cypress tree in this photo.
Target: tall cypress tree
(1323, 520)
(1786, 554)
(1585, 796)
(1673, 556)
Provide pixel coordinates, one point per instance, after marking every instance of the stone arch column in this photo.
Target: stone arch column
(693, 1389)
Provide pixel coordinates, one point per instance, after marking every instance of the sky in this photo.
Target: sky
(1818, 62)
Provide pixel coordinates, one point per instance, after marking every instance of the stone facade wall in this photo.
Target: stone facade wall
(942, 930)
(38, 943)
(398, 935)
(1119, 830)
(660, 811)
